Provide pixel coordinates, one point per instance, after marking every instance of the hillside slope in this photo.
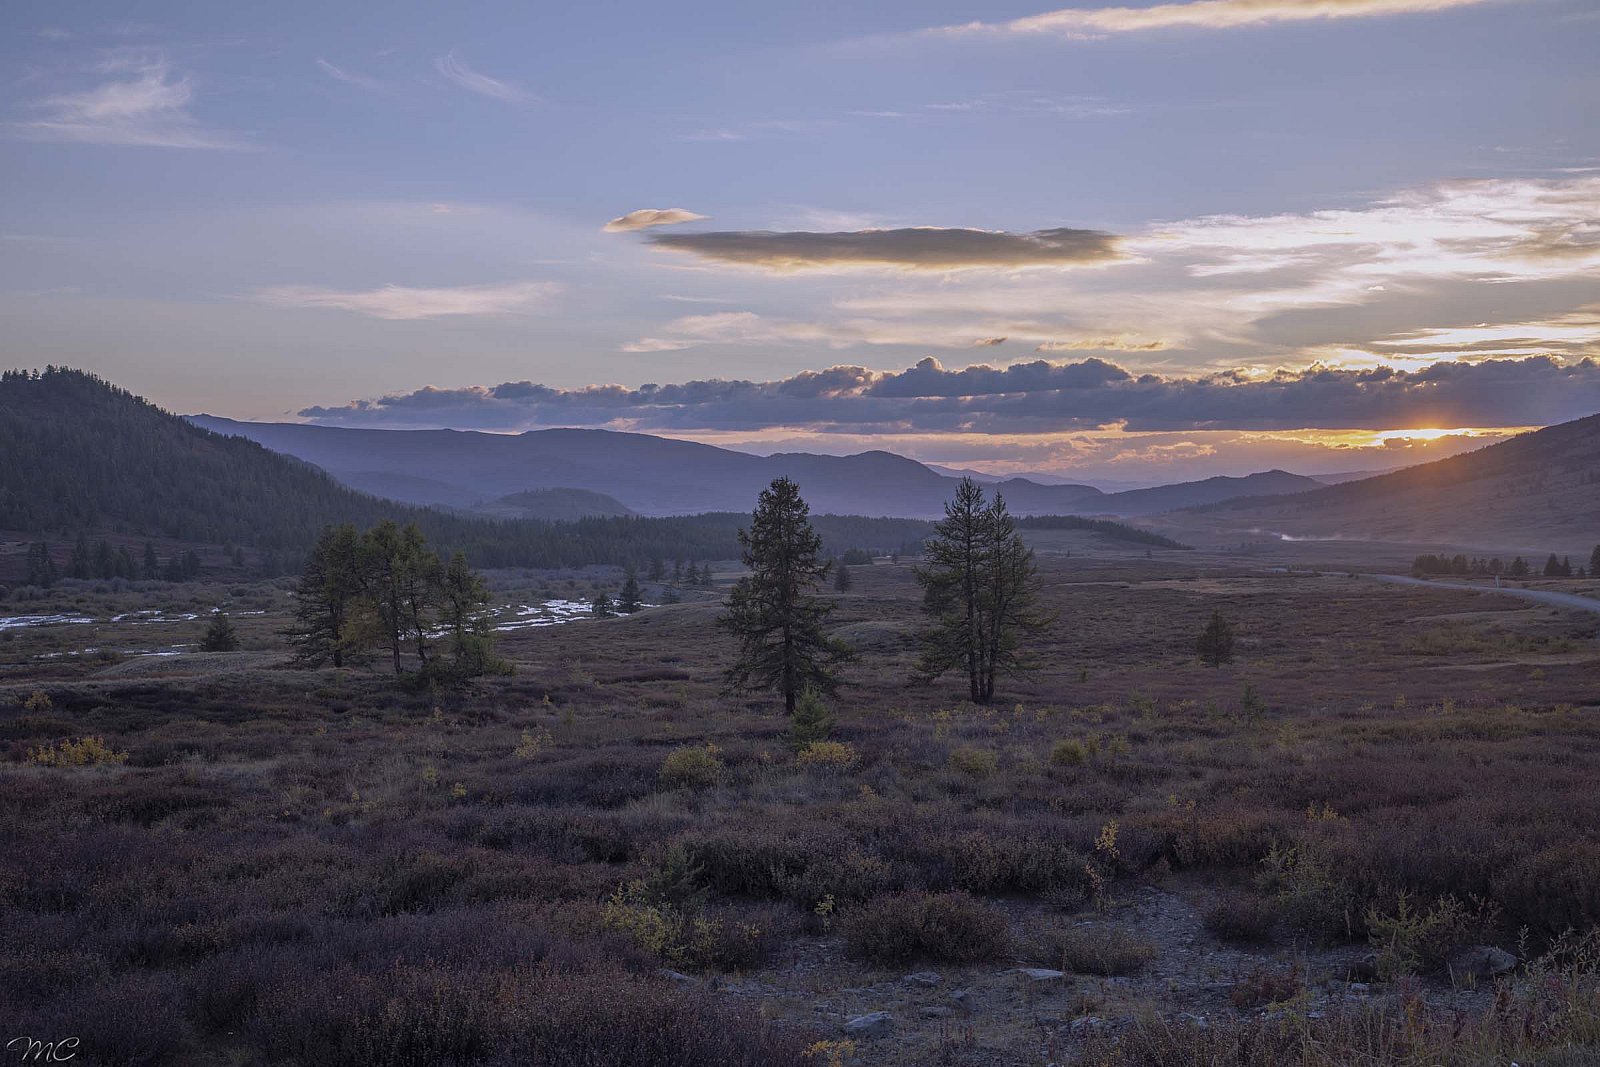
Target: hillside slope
(1209, 491)
(78, 455)
(1540, 491)
(664, 476)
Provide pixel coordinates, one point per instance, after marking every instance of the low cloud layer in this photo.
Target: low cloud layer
(403, 302)
(1079, 22)
(1037, 397)
(910, 248)
(645, 218)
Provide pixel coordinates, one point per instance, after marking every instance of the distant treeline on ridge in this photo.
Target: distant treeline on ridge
(80, 455)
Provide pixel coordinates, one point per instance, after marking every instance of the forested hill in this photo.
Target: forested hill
(77, 453)
(80, 455)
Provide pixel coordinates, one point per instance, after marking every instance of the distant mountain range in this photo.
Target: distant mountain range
(79, 455)
(662, 476)
(1539, 491)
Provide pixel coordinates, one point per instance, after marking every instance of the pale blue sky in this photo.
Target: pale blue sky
(257, 209)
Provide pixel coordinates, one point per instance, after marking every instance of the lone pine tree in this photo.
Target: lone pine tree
(978, 589)
(1215, 643)
(220, 636)
(771, 611)
(628, 600)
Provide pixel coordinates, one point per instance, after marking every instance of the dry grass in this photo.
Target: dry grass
(270, 828)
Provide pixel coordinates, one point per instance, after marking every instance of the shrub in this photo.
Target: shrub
(974, 762)
(1103, 950)
(532, 742)
(1305, 892)
(85, 752)
(813, 720)
(1555, 890)
(1264, 986)
(1407, 938)
(692, 768)
(1240, 917)
(38, 700)
(1069, 753)
(828, 756)
(690, 938)
(800, 868)
(948, 927)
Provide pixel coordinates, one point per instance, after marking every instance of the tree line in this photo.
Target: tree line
(1430, 565)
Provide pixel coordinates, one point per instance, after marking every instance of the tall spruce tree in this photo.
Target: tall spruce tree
(326, 599)
(41, 568)
(463, 596)
(1214, 646)
(220, 636)
(80, 563)
(1594, 562)
(771, 610)
(628, 600)
(978, 589)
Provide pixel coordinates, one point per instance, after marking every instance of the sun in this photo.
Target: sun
(1429, 434)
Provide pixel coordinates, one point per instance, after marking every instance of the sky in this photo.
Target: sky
(1119, 243)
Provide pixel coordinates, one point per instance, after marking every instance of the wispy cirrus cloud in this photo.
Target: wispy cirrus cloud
(908, 248)
(1104, 344)
(144, 104)
(405, 302)
(1091, 22)
(454, 68)
(339, 74)
(647, 217)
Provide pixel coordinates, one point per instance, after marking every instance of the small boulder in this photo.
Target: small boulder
(1041, 974)
(675, 976)
(922, 978)
(1481, 961)
(872, 1024)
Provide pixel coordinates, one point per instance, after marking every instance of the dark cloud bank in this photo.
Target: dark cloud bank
(1035, 397)
(911, 248)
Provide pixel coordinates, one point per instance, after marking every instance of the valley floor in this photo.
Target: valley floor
(1321, 853)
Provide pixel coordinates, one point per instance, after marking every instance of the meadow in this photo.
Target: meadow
(1325, 852)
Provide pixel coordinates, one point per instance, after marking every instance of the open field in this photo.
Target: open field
(604, 855)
